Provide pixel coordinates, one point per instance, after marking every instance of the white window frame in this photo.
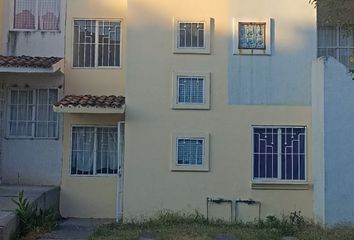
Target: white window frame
(95, 146)
(190, 168)
(34, 103)
(12, 19)
(96, 43)
(192, 50)
(268, 37)
(279, 180)
(191, 106)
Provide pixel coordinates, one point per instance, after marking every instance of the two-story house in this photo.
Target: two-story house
(31, 80)
(218, 105)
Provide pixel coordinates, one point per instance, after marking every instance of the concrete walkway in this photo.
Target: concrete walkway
(75, 229)
(43, 197)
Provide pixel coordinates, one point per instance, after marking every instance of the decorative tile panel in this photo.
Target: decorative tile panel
(252, 35)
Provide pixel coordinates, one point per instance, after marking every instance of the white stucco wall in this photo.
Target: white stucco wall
(31, 161)
(333, 142)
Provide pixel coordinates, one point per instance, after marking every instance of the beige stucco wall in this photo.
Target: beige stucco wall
(108, 81)
(150, 122)
(89, 197)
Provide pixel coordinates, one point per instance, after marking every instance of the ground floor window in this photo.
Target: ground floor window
(94, 150)
(279, 153)
(30, 113)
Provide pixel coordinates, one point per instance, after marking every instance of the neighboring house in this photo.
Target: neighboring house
(332, 104)
(32, 80)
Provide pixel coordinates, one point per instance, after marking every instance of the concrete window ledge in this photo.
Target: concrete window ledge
(281, 186)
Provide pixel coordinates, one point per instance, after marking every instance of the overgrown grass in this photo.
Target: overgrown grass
(180, 226)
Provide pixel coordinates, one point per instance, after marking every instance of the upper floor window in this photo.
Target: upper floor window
(279, 153)
(191, 90)
(97, 43)
(192, 36)
(31, 113)
(252, 37)
(338, 43)
(41, 15)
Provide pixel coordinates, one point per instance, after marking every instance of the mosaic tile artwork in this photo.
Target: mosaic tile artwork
(252, 35)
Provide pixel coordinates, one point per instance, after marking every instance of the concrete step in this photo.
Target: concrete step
(43, 197)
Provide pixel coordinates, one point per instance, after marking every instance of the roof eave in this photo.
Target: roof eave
(57, 67)
(88, 110)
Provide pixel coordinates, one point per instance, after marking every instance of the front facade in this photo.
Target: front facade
(178, 105)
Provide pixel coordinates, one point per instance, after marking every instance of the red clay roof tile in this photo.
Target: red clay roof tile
(93, 101)
(27, 61)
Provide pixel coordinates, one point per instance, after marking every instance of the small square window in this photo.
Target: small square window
(191, 91)
(252, 37)
(192, 36)
(190, 153)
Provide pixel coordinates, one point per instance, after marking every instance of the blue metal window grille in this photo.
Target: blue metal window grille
(279, 153)
(190, 151)
(190, 90)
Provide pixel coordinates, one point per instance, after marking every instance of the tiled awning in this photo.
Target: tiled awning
(90, 104)
(28, 64)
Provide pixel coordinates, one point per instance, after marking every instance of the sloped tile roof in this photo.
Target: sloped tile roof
(91, 101)
(27, 61)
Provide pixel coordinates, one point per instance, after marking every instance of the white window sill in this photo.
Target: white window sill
(191, 107)
(35, 30)
(281, 185)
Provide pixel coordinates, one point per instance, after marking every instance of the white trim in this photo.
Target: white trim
(279, 180)
(190, 168)
(191, 106)
(268, 38)
(192, 50)
(96, 67)
(120, 178)
(89, 110)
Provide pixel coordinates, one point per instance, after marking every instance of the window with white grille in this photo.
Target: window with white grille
(279, 153)
(31, 115)
(41, 15)
(336, 42)
(94, 150)
(191, 35)
(97, 43)
(191, 152)
(191, 90)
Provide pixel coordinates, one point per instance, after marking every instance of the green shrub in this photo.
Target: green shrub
(31, 218)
